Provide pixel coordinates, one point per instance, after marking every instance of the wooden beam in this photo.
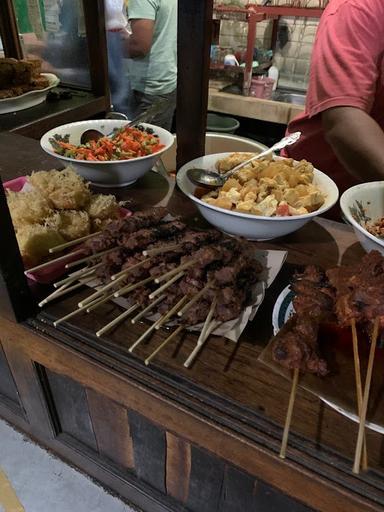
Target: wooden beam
(9, 31)
(194, 40)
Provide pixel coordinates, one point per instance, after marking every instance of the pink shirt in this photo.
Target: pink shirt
(347, 69)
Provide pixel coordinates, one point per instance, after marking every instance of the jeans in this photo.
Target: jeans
(141, 101)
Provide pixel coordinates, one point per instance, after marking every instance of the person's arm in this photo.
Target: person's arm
(357, 140)
(139, 42)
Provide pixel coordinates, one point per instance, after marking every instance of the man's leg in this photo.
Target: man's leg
(165, 117)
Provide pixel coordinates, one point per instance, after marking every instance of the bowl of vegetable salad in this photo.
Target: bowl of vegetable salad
(121, 156)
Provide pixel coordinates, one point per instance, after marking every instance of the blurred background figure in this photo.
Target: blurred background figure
(152, 49)
(119, 83)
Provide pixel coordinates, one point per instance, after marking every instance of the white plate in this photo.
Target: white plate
(282, 310)
(30, 98)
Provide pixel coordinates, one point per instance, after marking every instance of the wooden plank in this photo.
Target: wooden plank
(111, 428)
(70, 401)
(193, 54)
(206, 481)
(270, 499)
(9, 31)
(149, 450)
(178, 467)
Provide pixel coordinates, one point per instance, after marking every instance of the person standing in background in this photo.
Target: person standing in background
(119, 83)
(152, 49)
(343, 123)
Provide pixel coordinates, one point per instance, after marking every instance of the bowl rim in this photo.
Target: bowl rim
(345, 208)
(323, 209)
(51, 132)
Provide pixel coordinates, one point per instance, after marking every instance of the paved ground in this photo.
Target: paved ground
(32, 480)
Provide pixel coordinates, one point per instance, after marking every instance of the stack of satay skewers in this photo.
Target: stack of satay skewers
(348, 296)
(166, 271)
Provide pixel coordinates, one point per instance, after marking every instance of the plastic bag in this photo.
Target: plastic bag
(114, 15)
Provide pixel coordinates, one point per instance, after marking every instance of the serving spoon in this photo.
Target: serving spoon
(212, 179)
(143, 117)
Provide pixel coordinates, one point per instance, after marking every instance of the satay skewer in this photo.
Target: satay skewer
(69, 315)
(364, 407)
(128, 269)
(166, 285)
(359, 389)
(56, 260)
(194, 299)
(91, 257)
(79, 274)
(131, 287)
(158, 323)
(117, 320)
(100, 291)
(183, 266)
(160, 250)
(71, 243)
(147, 309)
(63, 291)
(288, 419)
(208, 327)
(165, 342)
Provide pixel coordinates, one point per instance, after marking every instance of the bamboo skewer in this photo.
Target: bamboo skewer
(91, 257)
(117, 320)
(194, 299)
(174, 271)
(70, 315)
(165, 342)
(364, 407)
(359, 390)
(160, 250)
(132, 287)
(56, 260)
(79, 274)
(62, 291)
(156, 325)
(288, 418)
(166, 285)
(147, 309)
(100, 292)
(170, 313)
(93, 305)
(208, 327)
(127, 270)
(61, 247)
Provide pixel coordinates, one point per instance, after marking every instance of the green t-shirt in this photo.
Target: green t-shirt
(156, 73)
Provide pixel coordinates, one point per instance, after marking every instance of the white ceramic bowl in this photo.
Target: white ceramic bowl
(252, 227)
(116, 173)
(364, 203)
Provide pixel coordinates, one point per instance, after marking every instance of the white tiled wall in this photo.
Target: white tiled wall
(294, 59)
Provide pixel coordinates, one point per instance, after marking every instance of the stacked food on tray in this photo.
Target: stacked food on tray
(20, 76)
(54, 207)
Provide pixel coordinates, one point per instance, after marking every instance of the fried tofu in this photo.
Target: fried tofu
(35, 241)
(103, 207)
(71, 224)
(27, 208)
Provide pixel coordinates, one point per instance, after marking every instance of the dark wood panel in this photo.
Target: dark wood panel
(205, 482)
(178, 467)
(7, 384)
(238, 492)
(111, 428)
(8, 30)
(70, 402)
(149, 450)
(271, 500)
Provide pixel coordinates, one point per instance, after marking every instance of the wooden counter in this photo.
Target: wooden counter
(254, 108)
(171, 439)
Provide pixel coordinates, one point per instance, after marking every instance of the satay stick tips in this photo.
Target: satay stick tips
(99, 292)
(208, 327)
(131, 287)
(165, 342)
(98, 302)
(61, 247)
(288, 419)
(166, 285)
(363, 415)
(63, 291)
(128, 269)
(174, 271)
(147, 309)
(194, 299)
(56, 260)
(161, 250)
(359, 390)
(84, 272)
(162, 320)
(117, 320)
(89, 258)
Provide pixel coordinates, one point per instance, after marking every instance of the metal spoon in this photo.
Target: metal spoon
(212, 179)
(143, 117)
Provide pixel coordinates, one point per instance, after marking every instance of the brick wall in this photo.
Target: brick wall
(293, 59)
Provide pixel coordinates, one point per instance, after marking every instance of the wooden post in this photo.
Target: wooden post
(194, 40)
(8, 30)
